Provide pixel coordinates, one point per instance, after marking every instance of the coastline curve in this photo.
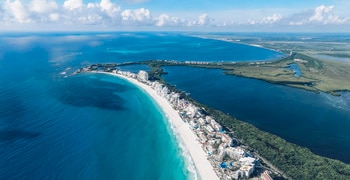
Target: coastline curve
(188, 138)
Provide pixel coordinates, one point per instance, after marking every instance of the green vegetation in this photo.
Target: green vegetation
(318, 74)
(292, 161)
(155, 72)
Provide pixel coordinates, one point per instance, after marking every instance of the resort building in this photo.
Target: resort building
(142, 76)
(235, 153)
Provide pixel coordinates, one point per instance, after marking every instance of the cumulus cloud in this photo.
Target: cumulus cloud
(43, 6)
(73, 4)
(137, 16)
(18, 11)
(325, 15)
(44, 11)
(69, 12)
(166, 20)
(203, 20)
(271, 19)
(320, 12)
(105, 12)
(320, 15)
(109, 7)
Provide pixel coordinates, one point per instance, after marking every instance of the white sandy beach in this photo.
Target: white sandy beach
(199, 157)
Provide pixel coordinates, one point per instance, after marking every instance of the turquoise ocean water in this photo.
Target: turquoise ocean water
(92, 126)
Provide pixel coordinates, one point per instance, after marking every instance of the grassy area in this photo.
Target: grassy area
(328, 75)
(318, 75)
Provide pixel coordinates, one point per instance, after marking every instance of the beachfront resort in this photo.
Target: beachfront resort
(228, 159)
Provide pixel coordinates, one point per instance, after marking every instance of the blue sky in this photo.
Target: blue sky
(185, 15)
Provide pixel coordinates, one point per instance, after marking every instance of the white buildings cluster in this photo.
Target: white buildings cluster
(229, 160)
(197, 62)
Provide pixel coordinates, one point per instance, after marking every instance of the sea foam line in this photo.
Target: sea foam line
(184, 151)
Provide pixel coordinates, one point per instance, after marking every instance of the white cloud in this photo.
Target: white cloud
(137, 16)
(43, 11)
(72, 12)
(271, 19)
(43, 6)
(76, 13)
(325, 15)
(18, 11)
(320, 12)
(320, 15)
(109, 7)
(166, 20)
(203, 20)
(105, 13)
(73, 4)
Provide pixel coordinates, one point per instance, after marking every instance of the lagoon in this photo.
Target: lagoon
(320, 122)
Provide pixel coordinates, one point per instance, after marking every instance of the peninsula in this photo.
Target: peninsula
(235, 149)
(214, 152)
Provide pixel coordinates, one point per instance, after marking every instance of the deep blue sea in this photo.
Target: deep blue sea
(93, 126)
(320, 122)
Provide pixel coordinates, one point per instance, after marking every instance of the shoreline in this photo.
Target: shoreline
(238, 41)
(199, 157)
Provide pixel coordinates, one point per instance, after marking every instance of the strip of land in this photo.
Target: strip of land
(239, 138)
(204, 168)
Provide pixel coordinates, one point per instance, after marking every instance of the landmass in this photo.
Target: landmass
(272, 155)
(234, 148)
(324, 63)
(312, 74)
